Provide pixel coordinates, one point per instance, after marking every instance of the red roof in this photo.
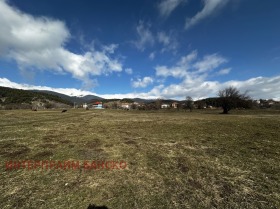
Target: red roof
(97, 103)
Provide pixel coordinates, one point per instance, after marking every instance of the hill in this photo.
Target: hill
(72, 99)
(23, 99)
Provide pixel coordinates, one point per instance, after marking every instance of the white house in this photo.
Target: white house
(126, 105)
(85, 106)
(175, 104)
(164, 106)
(97, 105)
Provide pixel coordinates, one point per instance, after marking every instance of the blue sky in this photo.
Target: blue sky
(148, 49)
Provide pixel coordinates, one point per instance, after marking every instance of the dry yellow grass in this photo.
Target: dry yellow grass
(174, 159)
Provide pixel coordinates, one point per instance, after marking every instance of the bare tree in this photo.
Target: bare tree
(201, 104)
(232, 98)
(189, 103)
(114, 105)
(158, 103)
(179, 106)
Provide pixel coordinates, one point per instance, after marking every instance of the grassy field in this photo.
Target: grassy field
(174, 159)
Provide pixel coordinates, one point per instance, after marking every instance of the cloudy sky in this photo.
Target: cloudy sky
(141, 48)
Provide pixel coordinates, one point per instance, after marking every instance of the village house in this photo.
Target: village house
(126, 105)
(271, 102)
(136, 104)
(85, 106)
(174, 105)
(97, 105)
(164, 106)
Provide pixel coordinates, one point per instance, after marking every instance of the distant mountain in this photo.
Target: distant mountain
(72, 99)
(168, 101)
(92, 97)
(139, 100)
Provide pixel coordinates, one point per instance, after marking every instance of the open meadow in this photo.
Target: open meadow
(170, 159)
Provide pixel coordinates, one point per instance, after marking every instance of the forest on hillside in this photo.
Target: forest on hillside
(18, 98)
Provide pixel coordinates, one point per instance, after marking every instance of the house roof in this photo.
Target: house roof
(96, 103)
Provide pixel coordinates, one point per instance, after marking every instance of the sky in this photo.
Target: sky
(141, 48)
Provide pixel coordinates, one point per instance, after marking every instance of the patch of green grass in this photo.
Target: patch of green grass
(174, 159)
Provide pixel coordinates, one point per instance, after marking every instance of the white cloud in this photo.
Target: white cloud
(196, 88)
(224, 71)
(110, 48)
(163, 38)
(39, 43)
(186, 60)
(166, 7)
(189, 66)
(176, 72)
(194, 73)
(128, 71)
(152, 55)
(210, 7)
(142, 83)
(20, 31)
(209, 62)
(259, 87)
(145, 36)
(168, 41)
